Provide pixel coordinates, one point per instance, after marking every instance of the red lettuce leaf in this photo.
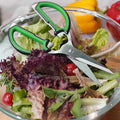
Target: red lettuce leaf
(38, 70)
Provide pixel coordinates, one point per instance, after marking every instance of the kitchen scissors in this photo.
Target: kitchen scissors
(79, 58)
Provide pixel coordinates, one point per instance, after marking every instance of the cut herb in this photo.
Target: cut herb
(5, 81)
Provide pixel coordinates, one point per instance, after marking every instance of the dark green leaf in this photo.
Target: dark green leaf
(49, 92)
(62, 96)
(73, 98)
(55, 106)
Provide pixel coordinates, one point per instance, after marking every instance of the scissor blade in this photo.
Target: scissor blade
(82, 57)
(94, 65)
(85, 69)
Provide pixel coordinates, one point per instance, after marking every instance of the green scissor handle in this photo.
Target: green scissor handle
(27, 34)
(49, 21)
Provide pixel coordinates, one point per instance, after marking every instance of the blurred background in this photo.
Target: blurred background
(14, 8)
(10, 9)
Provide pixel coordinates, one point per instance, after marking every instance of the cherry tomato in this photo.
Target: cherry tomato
(7, 98)
(69, 69)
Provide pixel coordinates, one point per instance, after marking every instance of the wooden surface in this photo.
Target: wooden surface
(113, 114)
(4, 117)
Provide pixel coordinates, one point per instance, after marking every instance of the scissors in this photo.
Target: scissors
(79, 58)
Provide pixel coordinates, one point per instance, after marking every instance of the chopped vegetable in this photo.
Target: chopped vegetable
(108, 86)
(69, 69)
(76, 109)
(21, 103)
(87, 23)
(7, 99)
(114, 13)
(104, 75)
(60, 41)
(100, 38)
(91, 104)
(94, 101)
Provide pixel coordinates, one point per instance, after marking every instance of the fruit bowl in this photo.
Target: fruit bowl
(7, 50)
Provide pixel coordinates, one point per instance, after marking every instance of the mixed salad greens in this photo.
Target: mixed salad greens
(51, 87)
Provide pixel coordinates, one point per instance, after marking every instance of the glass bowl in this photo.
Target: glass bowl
(31, 18)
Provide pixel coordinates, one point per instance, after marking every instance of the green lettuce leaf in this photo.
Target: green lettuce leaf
(21, 103)
(40, 27)
(57, 42)
(100, 38)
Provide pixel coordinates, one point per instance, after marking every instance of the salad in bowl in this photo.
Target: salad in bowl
(51, 87)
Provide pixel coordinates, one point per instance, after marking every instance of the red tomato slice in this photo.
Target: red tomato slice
(69, 69)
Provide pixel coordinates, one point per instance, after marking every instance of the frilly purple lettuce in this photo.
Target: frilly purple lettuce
(40, 69)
